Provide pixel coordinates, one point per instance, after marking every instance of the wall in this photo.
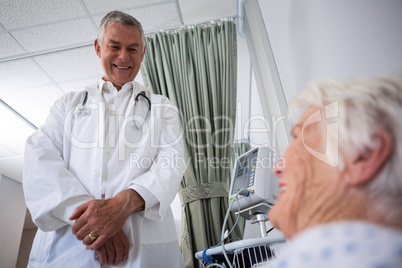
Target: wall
(316, 39)
(12, 216)
(27, 238)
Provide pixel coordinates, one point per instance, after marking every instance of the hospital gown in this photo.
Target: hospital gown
(343, 245)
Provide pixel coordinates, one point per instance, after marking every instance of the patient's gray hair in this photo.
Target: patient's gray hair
(122, 18)
(364, 106)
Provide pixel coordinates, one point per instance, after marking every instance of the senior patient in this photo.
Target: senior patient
(341, 177)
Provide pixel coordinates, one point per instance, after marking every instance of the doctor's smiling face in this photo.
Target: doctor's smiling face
(308, 186)
(121, 53)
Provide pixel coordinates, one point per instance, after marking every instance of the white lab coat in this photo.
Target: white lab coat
(65, 166)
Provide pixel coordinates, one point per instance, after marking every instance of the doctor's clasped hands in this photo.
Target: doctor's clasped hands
(99, 225)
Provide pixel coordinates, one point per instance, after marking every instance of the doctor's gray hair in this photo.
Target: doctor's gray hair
(365, 105)
(122, 18)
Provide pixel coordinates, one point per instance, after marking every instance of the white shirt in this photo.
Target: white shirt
(95, 153)
(353, 244)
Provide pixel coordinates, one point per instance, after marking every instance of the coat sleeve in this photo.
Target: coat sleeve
(51, 191)
(159, 185)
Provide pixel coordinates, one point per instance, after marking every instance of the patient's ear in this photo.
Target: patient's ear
(370, 162)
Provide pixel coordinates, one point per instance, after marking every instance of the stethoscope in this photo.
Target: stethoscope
(139, 115)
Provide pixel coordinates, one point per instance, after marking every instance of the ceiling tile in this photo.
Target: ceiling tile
(9, 47)
(22, 73)
(34, 103)
(22, 13)
(80, 84)
(153, 18)
(13, 131)
(99, 6)
(158, 17)
(9, 120)
(15, 138)
(56, 35)
(5, 152)
(71, 64)
(195, 11)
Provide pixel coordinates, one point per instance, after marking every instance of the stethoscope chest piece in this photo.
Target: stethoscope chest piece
(81, 110)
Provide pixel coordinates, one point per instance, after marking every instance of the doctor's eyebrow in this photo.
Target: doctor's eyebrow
(111, 41)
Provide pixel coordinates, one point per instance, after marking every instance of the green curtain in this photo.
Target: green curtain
(196, 68)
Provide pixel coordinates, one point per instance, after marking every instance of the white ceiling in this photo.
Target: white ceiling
(46, 50)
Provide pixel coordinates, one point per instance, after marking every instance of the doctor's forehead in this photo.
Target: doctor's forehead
(115, 42)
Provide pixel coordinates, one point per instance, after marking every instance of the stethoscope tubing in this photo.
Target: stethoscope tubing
(140, 94)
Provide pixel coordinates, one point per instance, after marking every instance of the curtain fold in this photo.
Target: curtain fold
(196, 68)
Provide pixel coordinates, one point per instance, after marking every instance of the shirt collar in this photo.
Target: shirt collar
(109, 87)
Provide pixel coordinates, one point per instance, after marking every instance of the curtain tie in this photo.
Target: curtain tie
(203, 191)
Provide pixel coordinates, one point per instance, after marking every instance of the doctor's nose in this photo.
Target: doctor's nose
(124, 55)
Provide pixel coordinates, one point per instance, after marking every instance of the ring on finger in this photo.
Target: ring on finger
(92, 237)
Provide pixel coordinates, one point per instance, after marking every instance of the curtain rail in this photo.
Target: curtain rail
(185, 26)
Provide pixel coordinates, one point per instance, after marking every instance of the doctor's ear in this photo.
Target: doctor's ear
(97, 48)
(143, 51)
(369, 162)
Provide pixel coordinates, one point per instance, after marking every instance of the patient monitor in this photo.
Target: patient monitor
(253, 175)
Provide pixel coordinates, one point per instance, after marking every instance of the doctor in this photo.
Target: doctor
(100, 175)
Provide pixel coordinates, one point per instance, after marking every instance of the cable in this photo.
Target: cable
(237, 220)
(243, 192)
(205, 258)
(224, 224)
(270, 229)
(216, 264)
